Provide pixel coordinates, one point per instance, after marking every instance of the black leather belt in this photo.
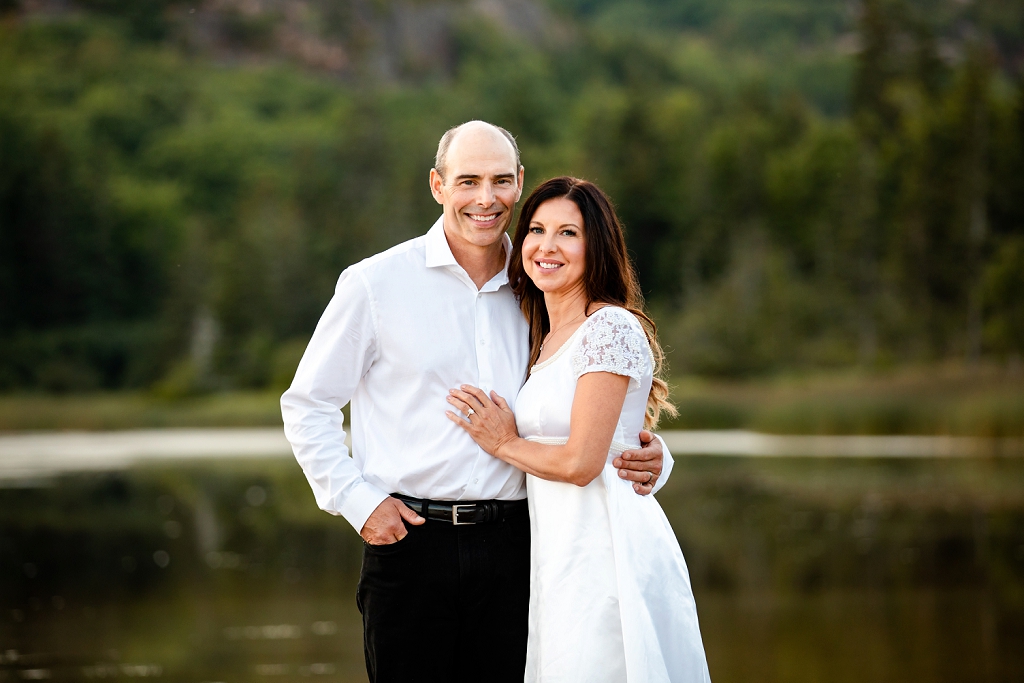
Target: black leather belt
(465, 512)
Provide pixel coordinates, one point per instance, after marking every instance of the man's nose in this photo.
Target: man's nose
(485, 195)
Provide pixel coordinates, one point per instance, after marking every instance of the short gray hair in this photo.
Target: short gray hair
(441, 158)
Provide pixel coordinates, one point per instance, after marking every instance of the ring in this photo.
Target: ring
(470, 413)
(650, 478)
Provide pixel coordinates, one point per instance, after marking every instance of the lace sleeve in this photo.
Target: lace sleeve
(613, 343)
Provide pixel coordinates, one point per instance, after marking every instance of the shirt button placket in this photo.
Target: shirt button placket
(485, 380)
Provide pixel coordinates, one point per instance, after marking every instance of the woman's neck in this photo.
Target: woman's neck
(564, 308)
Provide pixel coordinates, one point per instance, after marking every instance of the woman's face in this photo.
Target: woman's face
(554, 249)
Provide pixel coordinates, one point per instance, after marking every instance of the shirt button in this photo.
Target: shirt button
(476, 481)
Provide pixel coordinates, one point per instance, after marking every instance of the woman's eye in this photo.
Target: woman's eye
(569, 233)
(537, 231)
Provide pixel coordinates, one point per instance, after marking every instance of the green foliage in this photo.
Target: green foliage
(145, 19)
(985, 401)
(174, 402)
(801, 188)
(1004, 284)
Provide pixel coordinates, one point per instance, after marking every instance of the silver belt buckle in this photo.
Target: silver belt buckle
(455, 515)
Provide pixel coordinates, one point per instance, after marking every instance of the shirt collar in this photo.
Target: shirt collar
(438, 253)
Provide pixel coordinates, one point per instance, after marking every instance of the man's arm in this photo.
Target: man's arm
(341, 351)
(648, 467)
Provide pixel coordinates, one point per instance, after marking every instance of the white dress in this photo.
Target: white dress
(610, 596)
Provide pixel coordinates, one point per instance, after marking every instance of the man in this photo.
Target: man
(444, 587)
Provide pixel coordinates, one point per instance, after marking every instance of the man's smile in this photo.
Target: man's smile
(485, 218)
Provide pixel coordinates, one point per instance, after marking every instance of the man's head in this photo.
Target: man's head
(478, 179)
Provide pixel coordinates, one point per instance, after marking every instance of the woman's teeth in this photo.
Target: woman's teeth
(549, 266)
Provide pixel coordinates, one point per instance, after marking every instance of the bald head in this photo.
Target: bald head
(470, 133)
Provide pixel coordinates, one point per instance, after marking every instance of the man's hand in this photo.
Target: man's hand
(643, 466)
(385, 524)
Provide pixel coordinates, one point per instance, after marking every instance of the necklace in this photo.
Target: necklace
(552, 332)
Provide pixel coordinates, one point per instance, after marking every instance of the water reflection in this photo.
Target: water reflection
(803, 570)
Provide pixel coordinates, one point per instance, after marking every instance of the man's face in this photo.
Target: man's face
(480, 188)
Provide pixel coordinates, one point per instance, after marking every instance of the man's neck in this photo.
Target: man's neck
(480, 263)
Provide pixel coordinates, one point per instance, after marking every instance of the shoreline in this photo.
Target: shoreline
(35, 455)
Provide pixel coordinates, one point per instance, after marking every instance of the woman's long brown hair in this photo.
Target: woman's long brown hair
(608, 275)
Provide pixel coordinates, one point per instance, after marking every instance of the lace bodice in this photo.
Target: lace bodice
(610, 340)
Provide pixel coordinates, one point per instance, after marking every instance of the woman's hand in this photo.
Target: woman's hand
(488, 420)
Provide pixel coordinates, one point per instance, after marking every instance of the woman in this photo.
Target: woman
(610, 594)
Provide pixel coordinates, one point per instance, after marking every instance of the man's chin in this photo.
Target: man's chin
(485, 237)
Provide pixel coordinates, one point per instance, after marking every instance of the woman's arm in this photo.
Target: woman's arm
(595, 412)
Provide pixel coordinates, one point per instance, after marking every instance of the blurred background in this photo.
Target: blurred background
(825, 201)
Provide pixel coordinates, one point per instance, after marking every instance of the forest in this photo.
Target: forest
(805, 184)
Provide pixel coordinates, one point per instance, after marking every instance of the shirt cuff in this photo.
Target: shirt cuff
(666, 466)
(360, 503)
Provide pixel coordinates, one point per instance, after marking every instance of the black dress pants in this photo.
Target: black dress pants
(448, 603)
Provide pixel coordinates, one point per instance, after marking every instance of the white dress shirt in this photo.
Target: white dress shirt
(403, 328)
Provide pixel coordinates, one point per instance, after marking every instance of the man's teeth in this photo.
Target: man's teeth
(549, 266)
(479, 217)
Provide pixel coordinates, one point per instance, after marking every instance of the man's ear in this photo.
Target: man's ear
(522, 174)
(437, 185)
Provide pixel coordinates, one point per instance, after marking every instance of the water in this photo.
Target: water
(803, 570)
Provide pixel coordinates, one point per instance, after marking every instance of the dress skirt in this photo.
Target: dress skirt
(610, 596)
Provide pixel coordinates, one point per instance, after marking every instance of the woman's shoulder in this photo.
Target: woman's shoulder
(610, 315)
(613, 339)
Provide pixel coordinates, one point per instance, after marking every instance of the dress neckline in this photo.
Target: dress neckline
(561, 349)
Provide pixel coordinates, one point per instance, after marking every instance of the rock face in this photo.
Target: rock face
(389, 40)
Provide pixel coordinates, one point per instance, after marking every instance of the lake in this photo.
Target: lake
(804, 569)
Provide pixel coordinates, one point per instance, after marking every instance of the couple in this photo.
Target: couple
(451, 588)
